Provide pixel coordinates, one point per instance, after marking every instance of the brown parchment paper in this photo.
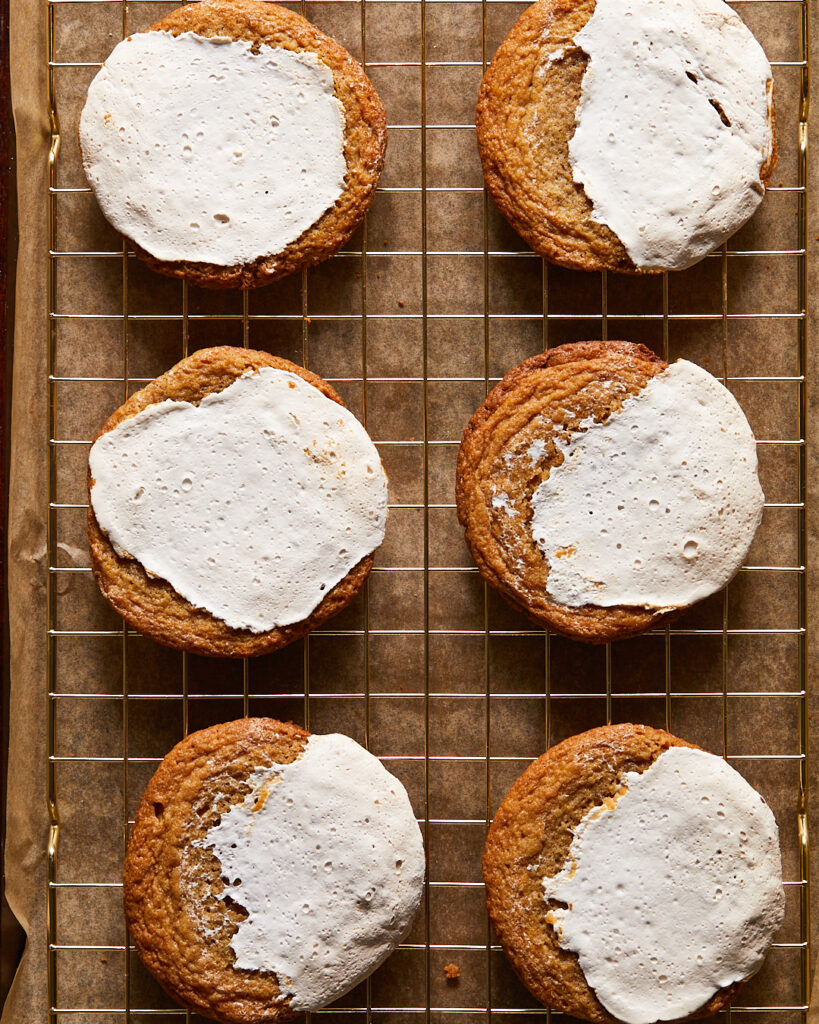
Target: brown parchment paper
(813, 507)
(27, 819)
(429, 669)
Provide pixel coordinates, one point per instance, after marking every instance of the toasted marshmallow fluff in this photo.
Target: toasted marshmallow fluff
(253, 504)
(674, 892)
(326, 857)
(673, 126)
(200, 149)
(657, 506)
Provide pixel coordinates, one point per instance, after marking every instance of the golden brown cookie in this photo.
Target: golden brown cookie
(365, 136)
(530, 839)
(270, 871)
(151, 605)
(170, 886)
(526, 117)
(545, 397)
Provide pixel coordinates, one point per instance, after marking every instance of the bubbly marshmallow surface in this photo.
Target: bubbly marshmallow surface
(655, 507)
(674, 892)
(253, 504)
(326, 857)
(199, 149)
(673, 125)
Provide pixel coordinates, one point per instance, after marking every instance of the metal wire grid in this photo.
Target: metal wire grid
(586, 683)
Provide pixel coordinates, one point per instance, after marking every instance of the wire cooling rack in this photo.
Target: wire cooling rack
(433, 300)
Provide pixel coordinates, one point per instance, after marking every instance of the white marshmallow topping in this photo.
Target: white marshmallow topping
(326, 857)
(656, 507)
(199, 149)
(673, 126)
(674, 892)
(253, 504)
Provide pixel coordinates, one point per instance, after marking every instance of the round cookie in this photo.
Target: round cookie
(592, 183)
(532, 844)
(529, 532)
(113, 141)
(222, 900)
(150, 603)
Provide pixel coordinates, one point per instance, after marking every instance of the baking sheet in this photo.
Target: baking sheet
(433, 300)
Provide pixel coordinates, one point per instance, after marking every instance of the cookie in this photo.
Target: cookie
(627, 135)
(631, 876)
(234, 504)
(602, 492)
(233, 143)
(269, 871)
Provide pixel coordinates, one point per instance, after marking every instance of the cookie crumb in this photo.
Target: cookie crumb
(452, 972)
